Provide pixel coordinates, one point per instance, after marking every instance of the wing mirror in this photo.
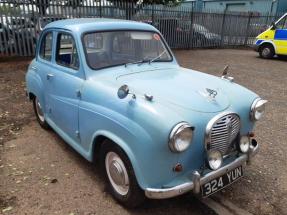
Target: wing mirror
(123, 92)
(225, 74)
(225, 70)
(273, 26)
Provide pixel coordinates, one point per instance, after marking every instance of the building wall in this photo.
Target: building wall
(260, 6)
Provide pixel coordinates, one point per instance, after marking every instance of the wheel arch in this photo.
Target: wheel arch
(99, 139)
(35, 87)
(31, 96)
(268, 43)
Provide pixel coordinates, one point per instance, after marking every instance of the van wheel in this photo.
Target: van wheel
(40, 113)
(120, 175)
(266, 51)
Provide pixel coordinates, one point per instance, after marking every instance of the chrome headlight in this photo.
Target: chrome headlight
(244, 144)
(214, 159)
(257, 109)
(180, 137)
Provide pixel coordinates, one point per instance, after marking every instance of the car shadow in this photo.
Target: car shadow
(276, 58)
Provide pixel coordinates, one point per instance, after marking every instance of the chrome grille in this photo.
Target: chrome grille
(222, 131)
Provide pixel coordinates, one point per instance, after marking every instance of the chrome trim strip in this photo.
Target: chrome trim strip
(197, 180)
(176, 129)
(252, 109)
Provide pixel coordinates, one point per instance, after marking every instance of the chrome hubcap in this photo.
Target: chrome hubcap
(266, 52)
(39, 110)
(117, 173)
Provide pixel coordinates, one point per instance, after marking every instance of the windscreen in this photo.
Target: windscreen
(107, 49)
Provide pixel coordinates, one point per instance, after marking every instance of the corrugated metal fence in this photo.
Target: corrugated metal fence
(22, 21)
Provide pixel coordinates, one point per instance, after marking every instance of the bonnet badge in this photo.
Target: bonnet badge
(212, 93)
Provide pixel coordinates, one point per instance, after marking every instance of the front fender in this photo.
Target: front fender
(149, 154)
(124, 146)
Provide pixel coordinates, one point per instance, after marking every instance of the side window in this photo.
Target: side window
(285, 24)
(282, 24)
(46, 46)
(66, 53)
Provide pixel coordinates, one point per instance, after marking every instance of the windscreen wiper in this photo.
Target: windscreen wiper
(139, 62)
(157, 57)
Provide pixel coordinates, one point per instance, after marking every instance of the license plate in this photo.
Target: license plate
(221, 182)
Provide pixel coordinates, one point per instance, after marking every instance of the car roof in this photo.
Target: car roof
(99, 24)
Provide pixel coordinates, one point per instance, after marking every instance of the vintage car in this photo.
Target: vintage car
(113, 90)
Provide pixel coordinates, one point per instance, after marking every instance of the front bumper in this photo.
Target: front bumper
(198, 180)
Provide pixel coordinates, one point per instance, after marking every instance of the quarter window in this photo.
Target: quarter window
(67, 54)
(46, 47)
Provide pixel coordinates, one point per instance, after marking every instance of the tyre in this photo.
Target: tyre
(39, 113)
(266, 51)
(120, 176)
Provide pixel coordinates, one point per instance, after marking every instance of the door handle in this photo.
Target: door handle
(34, 68)
(49, 76)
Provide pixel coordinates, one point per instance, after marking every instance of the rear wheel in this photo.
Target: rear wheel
(120, 175)
(39, 113)
(266, 51)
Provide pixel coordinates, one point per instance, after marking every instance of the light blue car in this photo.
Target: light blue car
(113, 90)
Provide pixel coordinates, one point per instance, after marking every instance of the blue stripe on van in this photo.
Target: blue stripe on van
(281, 34)
(258, 42)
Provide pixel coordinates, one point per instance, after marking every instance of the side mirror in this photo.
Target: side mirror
(225, 70)
(273, 26)
(225, 74)
(123, 91)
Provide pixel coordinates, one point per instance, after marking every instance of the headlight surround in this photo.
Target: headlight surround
(244, 144)
(215, 159)
(180, 137)
(257, 109)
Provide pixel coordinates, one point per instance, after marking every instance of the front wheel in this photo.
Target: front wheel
(120, 176)
(266, 51)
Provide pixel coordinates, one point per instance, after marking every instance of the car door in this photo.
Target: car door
(65, 80)
(280, 36)
(43, 66)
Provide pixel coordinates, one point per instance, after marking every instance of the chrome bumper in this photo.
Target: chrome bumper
(198, 180)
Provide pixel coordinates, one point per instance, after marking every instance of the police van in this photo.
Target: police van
(273, 41)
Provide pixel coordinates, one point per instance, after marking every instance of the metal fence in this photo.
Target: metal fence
(22, 21)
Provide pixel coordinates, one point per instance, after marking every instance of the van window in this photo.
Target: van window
(66, 54)
(46, 46)
(282, 24)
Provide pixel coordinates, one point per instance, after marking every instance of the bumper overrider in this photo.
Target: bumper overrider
(197, 180)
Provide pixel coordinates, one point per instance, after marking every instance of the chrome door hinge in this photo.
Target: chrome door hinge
(78, 93)
(77, 134)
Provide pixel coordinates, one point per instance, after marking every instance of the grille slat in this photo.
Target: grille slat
(223, 132)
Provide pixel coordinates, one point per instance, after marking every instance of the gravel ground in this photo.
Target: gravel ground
(41, 174)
